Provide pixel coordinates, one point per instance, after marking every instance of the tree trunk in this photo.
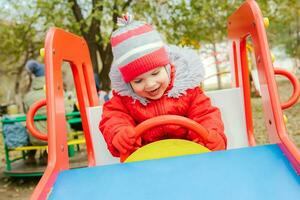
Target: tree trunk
(107, 59)
(94, 44)
(297, 66)
(93, 54)
(18, 95)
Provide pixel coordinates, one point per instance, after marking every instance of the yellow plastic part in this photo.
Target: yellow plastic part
(12, 109)
(266, 22)
(76, 141)
(285, 119)
(272, 57)
(166, 148)
(28, 148)
(42, 52)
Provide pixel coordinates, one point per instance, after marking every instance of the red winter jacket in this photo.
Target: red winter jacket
(121, 111)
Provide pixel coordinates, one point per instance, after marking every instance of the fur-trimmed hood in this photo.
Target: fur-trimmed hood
(189, 72)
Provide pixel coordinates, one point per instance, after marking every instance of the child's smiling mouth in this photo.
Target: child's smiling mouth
(154, 92)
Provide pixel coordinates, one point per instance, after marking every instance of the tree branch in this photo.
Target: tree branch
(126, 4)
(115, 15)
(78, 16)
(114, 19)
(95, 27)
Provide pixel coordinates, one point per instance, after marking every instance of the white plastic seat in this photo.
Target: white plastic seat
(229, 101)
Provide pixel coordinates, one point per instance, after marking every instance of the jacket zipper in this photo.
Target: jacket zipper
(159, 110)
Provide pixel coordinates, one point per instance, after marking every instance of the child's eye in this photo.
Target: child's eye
(137, 81)
(155, 73)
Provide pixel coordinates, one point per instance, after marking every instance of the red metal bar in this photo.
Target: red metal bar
(63, 46)
(296, 87)
(168, 120)
(240, 74)
(248, 21)
(30, 120)
(235, 64)
(246, 92)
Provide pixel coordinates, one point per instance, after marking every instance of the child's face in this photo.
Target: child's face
(151, 84)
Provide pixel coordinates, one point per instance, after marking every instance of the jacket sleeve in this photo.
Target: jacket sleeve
(115, 118)
(204, 113)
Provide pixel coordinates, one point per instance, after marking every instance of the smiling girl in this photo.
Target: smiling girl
(151, 79)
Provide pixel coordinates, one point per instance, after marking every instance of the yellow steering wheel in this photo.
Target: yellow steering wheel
(169, 147)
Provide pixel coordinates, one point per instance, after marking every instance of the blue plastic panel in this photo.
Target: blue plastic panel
(249, 173)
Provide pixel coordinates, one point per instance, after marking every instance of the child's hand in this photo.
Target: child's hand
(125, 141)
(192, 136)
(215, 141)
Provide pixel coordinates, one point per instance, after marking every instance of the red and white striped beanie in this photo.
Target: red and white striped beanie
(137, 48)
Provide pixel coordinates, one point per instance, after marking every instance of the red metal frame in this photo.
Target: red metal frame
(63, 46)
(247, 21)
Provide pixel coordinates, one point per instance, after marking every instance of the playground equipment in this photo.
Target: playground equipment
(15, 156)
(242, 172)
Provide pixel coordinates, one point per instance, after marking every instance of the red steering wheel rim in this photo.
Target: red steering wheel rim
(168, 120)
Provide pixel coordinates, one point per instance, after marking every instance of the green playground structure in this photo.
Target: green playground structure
(15, 156)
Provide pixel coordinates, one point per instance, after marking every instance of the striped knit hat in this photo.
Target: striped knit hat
(137, 48)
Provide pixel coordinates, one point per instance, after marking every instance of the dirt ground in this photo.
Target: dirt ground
(292, 114)
(16, 188)
(21, 188)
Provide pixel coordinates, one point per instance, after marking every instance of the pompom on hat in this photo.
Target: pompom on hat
(35, 68)
(137, 48)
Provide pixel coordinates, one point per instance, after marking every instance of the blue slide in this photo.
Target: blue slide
(260, 173)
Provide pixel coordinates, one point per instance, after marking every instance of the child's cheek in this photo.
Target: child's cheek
(139, 91)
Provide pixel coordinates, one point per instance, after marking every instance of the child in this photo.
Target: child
(149, 80)
(36, 92)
